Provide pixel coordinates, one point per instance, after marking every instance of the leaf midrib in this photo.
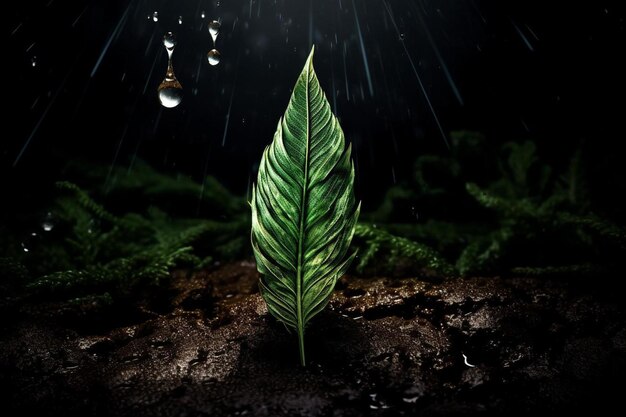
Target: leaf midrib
(303, 206)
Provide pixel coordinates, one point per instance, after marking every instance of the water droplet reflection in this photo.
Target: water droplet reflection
(214, 57)
(169, 41)
(48, 222)
(214, 30)
(170, 90)
(155, 16)
(170, 96)
(180, 20)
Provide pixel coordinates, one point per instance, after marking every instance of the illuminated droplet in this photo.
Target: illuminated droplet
(31, 242)
(180, 20)
(214, 29)
(33, 61)
(48, 222)
(214, 57)
(170, 90)
(202, 15)
(155, 16)
(169, 41)
(170, 97)
(402, 36)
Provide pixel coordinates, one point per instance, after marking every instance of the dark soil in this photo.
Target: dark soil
(207, 346)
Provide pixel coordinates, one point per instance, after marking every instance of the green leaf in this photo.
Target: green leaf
(303, 208)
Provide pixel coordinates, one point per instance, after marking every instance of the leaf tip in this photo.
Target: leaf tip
(309, 61)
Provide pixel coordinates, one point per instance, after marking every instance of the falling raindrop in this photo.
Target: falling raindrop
(402, 36)
(33, 61)
(214, 30)
(170, 97)
(202, 15)
(170, 90)
(155, 16)
(48, 222)
(169, 41)
(30, 242)
(180, 20)
(214, 57)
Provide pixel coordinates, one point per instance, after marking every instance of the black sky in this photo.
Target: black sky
(549, 71)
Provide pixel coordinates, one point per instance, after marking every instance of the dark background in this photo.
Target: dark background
(552, 72)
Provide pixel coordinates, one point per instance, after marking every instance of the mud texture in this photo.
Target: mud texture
(207, 346)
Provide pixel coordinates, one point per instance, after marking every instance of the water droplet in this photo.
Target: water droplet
(30, 242)
(170, 94)
(402, 36)
(180, 20)
(33, 61)
(155, 16)
(169, 41)
(202, 15)
(214, 57)
(48, 222)
(214, 29)
(170, 90)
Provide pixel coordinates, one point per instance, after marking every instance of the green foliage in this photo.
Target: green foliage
(173, 193)
(525, 217)
(378, 244)
(303, 208)
(478, 210)
(539, 220)
(93, 253)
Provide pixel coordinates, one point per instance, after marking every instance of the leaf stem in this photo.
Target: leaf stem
(301, 345)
